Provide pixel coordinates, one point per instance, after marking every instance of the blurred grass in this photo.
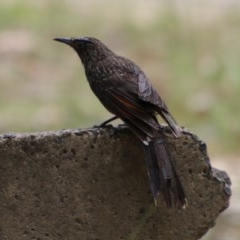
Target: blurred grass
(189, 50)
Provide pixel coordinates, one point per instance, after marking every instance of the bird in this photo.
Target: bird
(126, 92)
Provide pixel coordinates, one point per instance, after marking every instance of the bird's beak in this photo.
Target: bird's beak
(67, 41)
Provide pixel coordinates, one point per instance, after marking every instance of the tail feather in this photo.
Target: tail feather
(163, 176)
(153, 173)
(171, 122)
(179, 195)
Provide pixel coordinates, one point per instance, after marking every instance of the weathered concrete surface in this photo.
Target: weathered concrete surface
(92, 184)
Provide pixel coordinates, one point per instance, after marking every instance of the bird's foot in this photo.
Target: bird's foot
(105, 123)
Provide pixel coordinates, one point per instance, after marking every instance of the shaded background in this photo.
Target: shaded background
(189, 50)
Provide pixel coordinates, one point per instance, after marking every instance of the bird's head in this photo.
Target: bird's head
(89, 49)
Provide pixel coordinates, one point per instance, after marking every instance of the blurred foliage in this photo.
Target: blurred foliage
(189, 51)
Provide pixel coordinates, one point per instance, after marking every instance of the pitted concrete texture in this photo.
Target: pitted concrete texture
(92, 184)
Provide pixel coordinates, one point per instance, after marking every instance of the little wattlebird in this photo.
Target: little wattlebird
(125, 91)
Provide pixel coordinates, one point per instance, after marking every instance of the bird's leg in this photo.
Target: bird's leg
(106, 122)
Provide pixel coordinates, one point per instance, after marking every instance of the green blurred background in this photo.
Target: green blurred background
(189, 49)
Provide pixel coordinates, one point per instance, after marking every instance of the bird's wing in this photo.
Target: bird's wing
(121, 99)
(132, 94)
(148, 94)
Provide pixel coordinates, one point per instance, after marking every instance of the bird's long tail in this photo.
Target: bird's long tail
(162, 174)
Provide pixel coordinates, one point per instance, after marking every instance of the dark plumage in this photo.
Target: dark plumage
(125, 91)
